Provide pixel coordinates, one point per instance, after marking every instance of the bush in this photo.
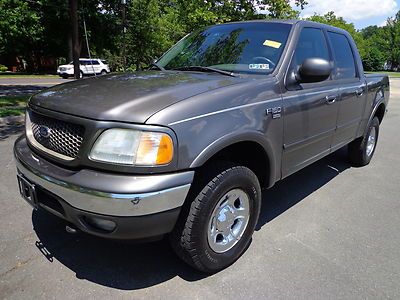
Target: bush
(3, 68)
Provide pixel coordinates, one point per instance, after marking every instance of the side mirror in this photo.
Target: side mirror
(314, 70)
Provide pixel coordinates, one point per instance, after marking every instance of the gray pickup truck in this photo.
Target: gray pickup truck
(184, 148)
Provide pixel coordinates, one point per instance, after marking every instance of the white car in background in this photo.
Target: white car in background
(87, 67)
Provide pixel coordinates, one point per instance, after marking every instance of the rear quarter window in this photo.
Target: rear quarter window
(344, 58)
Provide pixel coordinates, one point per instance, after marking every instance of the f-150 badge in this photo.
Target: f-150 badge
(274, 111)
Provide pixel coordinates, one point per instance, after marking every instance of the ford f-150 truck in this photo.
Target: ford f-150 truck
(183, 149)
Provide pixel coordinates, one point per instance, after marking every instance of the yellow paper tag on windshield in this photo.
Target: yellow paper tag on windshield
(272, 44)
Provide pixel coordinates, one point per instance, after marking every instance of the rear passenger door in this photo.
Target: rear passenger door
(310, 109)
(352, 89)
(84, 65)
(94, 67)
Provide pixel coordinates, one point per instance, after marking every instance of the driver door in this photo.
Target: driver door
(310, 109)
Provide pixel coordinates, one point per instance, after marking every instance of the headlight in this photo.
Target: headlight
(133, 147)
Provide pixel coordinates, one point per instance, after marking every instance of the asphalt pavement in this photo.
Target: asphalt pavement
(329, 231)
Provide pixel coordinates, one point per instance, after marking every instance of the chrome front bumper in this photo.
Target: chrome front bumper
(104, 193)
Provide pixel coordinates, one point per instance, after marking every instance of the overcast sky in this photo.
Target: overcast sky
(360, 12)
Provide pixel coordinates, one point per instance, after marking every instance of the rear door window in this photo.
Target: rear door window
(344, 58)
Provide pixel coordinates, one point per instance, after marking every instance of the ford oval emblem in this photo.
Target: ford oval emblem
(44, 131)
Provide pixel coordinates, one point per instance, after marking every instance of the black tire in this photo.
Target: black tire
(65, 76)
(80, 74)
(189, 238)
(358, 153)
(103, 72)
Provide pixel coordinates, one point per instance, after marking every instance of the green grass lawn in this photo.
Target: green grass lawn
(13, 106)
(16, 75)
(391, 74)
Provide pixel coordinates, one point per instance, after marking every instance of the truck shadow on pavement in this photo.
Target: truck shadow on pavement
(291, 190)
(129, 266)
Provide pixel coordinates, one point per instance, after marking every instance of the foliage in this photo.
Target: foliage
(391, 45)
(38, 29)
(331, 19)
(376, 57)
(369, 41)
(20, 28)
(3, 68)
(32, 30)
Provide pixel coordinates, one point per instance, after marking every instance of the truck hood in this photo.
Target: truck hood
(128, 97)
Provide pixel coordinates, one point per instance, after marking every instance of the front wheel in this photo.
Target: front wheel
(362, 149)
(216, 226)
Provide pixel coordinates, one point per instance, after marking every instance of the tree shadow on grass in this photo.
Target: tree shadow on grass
(7, 130)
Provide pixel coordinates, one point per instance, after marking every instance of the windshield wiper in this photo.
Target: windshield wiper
(205, 69)
(155, 64)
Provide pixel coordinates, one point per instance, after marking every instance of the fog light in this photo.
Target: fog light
(101, 224)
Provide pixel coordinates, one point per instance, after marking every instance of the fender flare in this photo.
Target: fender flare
(233, 138)
(377, 103)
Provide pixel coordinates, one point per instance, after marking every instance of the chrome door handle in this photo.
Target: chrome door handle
(359, 92)
(330, 99)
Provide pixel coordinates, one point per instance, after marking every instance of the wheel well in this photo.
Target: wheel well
(248, 154)
(380, 112)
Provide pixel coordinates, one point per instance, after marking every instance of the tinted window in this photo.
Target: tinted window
(241, 47)
(345, 66)
(95, 62)
(311, 44)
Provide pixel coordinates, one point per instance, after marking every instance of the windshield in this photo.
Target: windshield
(253, 48)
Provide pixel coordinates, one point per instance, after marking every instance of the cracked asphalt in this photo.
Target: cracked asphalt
(329, 231)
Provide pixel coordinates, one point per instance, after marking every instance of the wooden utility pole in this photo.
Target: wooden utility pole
(76, 49)
(123, 2)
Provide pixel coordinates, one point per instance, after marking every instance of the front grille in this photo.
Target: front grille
(59, 136)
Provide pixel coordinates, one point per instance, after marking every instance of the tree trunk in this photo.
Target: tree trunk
(73, 14)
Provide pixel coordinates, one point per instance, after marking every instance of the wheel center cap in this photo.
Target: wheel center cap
(225, 218)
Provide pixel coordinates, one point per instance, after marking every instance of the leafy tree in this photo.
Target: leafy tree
(391, 34)
(372, 59)
(35, 29)
(282, 9)
(20, 29)
(377, 52)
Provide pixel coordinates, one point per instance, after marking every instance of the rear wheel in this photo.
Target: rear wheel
(103, 72)
(80, 74)
(216, 225)
(362, 149)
